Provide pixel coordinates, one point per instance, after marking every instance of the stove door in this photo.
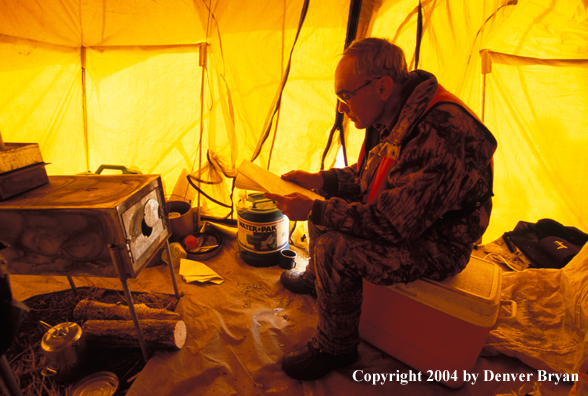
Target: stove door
(146, 228)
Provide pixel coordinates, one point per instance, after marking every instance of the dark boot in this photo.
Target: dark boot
(309, 362)
(296, 282)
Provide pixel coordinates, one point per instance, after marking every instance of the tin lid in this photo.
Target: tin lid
(61, 335)
(103, 383)
(258, 208)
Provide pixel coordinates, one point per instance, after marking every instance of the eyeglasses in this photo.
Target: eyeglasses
(346, 97)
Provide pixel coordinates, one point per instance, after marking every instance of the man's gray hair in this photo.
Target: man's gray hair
(377, 58)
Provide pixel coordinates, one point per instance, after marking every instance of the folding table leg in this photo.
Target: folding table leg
(171, 268)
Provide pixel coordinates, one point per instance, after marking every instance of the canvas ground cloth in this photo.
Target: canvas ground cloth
(239, 330)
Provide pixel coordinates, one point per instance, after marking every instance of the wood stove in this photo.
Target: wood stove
(87, 225)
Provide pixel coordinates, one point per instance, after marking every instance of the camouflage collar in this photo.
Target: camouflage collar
(413, 109)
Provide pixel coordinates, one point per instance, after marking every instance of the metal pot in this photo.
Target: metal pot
(64, 347)
(181, 219)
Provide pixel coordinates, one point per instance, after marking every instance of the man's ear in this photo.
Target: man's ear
(385, 87)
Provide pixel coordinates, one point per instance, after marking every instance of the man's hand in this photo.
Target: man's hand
(296, 206)
(305, 179)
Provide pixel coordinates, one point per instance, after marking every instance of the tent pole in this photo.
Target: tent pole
(486, 64)
(85, 109)
(483, 96)
(202, 63)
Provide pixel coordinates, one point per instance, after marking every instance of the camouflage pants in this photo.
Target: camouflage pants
(338, 262)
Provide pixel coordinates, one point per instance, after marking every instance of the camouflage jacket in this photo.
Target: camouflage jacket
(441, 157)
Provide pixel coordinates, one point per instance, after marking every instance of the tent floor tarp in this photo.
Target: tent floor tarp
(239, 330)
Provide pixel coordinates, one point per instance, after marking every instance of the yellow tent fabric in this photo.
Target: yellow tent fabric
(109, 82)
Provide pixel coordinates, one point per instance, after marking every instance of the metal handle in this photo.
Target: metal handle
(48, 372)
(262, 201)
(47, 326)
(122, 168)
(513, 311)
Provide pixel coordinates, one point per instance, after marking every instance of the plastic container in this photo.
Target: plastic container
(262, 231)
(438, 328)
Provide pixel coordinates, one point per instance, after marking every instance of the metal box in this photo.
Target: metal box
(21, 168)
(73, 225)
(20, 180)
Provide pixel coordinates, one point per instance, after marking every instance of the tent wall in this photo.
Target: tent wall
(149, 98)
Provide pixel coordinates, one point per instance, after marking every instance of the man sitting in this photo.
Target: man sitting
(412, 207)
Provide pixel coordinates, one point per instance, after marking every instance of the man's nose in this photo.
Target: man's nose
(342, 107)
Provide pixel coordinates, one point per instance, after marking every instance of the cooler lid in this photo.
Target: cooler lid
(473, 295)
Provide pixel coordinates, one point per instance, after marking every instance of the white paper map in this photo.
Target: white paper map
(254, 177)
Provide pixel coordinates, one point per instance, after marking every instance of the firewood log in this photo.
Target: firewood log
(158, 334)
(94, 310)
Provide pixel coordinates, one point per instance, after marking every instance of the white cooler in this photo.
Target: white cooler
(438, 328)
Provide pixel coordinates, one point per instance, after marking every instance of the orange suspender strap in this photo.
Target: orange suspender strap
(443, 95)
(379, 183)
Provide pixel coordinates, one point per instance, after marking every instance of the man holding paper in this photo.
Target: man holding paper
(411, 208)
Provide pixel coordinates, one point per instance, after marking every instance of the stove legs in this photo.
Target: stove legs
(130, 303)
(171, 268)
